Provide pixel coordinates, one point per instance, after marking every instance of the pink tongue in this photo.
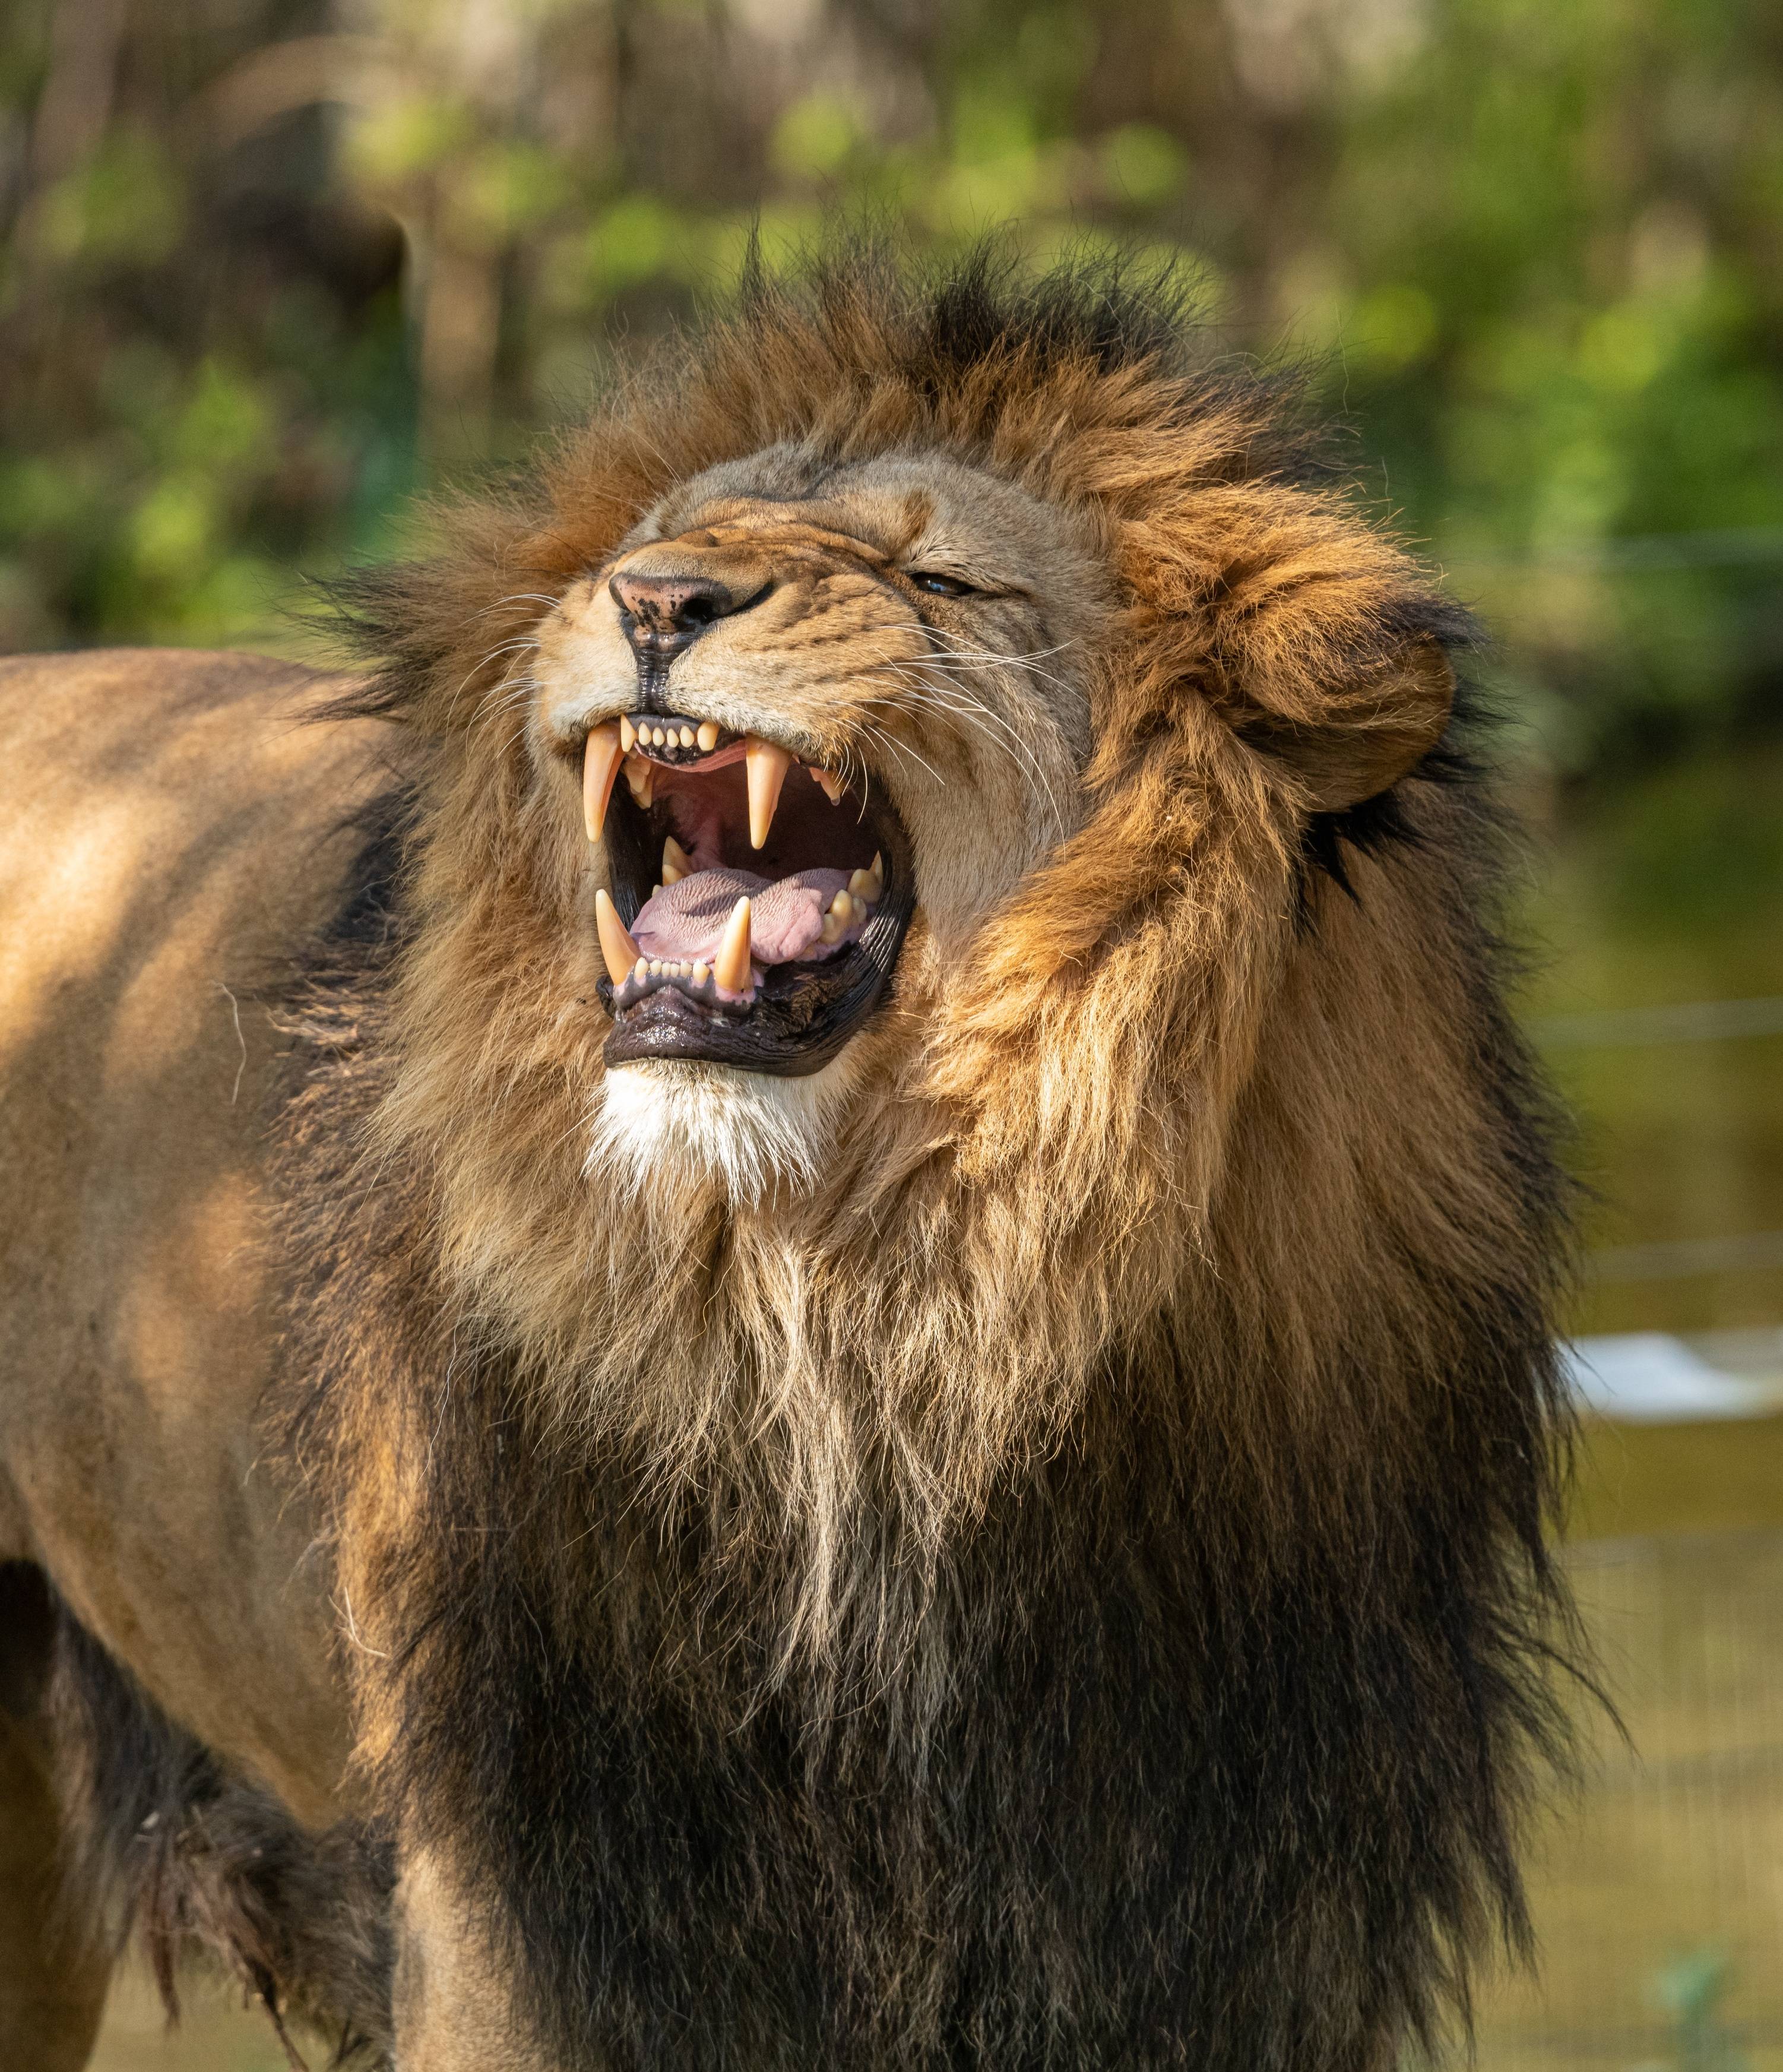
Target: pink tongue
(685, 920)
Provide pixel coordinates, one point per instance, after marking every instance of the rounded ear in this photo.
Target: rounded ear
(1363, 737)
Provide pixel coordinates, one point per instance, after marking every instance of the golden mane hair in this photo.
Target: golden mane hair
(1070, 1587)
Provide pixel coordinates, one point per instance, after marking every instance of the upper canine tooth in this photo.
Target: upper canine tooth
(619, 952)
(642, 778)
(730, 966)
(676, 862)
(833, 786)
(767, 772)
(628, 735)
(706, 734)
(600, 760)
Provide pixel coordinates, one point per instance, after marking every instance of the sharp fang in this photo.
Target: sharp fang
(767, 772)
(628, 735)
(642, 778)
(600, 760)
(833, 786)
(676, 862)
(706, 734)
(730, 966)
(619, 952)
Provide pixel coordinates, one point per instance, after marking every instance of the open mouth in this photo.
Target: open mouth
(758, 904)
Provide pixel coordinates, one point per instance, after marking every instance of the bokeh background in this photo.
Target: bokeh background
(268, 266)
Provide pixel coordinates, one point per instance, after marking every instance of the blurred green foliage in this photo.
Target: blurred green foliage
(1690, 1990)
(267, 265)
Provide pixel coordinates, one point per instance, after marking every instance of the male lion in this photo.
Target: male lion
(792, 1306)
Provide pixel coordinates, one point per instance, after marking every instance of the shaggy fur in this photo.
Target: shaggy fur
(1066, 1586)
(169, 1845)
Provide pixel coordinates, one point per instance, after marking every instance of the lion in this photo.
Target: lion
(791, 1302)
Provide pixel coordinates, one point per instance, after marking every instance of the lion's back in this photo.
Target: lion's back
(174, 835)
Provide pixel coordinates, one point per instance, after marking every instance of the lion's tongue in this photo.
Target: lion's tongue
(685, 920)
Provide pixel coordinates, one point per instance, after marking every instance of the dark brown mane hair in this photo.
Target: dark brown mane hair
(1071, 1589)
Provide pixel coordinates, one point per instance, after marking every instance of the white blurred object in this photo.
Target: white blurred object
(1651, 1378)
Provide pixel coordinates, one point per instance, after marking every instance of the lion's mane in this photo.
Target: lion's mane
(1070, 1590)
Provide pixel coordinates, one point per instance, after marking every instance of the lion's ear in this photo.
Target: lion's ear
(1355, 742)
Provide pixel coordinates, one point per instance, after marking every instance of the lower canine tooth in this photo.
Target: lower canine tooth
(619, 952)
(600, 761)
(767, 772)
(730, 966)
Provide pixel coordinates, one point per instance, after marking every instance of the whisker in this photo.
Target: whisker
(958, 702)
(903, 748)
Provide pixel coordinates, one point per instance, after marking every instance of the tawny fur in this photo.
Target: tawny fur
(1198, 1152)
(1063, 1583)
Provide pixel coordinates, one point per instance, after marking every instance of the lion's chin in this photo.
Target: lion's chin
(667, 1126)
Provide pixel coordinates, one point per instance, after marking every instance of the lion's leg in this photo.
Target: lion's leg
(53, 1973)
(453, 2004)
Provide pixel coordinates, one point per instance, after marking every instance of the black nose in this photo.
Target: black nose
(663, 613)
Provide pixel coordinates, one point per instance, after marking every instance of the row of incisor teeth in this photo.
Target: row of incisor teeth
(649, 735)
(645, 968)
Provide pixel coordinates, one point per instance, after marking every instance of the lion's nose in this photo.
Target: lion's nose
(663, 613)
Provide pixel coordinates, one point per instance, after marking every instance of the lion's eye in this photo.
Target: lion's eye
(941, 585)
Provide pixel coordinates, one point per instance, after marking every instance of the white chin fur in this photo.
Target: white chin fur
(663, 1121)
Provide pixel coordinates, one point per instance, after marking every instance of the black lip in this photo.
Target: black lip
(802, 1015)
